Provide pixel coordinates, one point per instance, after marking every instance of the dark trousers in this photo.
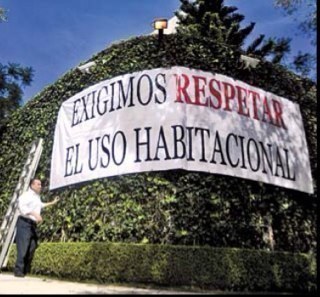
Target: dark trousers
(26, 242)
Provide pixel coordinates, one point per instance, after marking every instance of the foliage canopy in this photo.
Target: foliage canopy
(174, 207)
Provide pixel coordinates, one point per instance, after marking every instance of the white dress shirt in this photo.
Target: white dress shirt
(30, 201)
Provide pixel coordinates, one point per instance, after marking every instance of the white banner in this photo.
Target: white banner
(163, 119)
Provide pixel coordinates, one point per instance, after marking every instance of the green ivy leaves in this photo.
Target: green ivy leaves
(175, 207)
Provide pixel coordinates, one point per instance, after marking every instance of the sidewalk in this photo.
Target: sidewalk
(10, 284)
(41, 285)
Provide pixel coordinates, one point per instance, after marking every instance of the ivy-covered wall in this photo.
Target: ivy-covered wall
(176, 207)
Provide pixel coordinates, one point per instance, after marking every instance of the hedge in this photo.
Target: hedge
(227, 269)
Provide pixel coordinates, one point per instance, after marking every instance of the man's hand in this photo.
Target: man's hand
(56, 199)
(37, 217)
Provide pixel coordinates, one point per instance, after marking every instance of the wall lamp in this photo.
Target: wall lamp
(160, 25)
(85, 68)
(249, 62)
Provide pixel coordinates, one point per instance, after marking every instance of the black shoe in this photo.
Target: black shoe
(19, 275)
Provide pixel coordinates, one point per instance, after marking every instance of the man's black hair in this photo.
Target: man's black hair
(32, 180)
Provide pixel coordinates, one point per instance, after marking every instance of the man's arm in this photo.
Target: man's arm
(36, 215)
(54, 201)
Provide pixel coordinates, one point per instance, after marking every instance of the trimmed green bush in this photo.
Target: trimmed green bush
(174, 265)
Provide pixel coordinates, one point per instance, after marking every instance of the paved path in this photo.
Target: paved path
(10, 284)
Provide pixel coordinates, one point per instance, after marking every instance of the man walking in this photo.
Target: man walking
(30, 205)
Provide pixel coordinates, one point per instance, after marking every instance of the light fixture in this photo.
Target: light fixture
(160, 25)
(249, 62)
(85, 68)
